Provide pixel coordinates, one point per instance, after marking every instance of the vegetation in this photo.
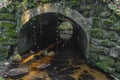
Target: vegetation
(97, 33)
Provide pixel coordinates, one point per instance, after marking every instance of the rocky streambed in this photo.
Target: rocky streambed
(50, 68)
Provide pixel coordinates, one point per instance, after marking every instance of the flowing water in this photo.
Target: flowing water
(60, 69)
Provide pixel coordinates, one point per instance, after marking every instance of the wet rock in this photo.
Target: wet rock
(43, 66)
(86, 77)
(17, 73)
(51, 53)
(6, 63)
(17, 57)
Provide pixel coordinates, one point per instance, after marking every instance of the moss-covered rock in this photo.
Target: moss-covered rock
(99, 49)
(98, 33)
(113, 18)
(90, 1)
(87, 13)
(85, 7)
(107, 43)
(11, 33)
(3, 10)
(107, 23)
(93, 57)
(112, 36)
(105, 65)
(7, 17)
(98, 10)
(97, 22)
(116, 27)
(105, 14)
(1, 78)
(117, 66)
(7, 24)
(3, 56)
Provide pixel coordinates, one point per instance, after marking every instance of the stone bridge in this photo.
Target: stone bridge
(101, 27)
(58, 8)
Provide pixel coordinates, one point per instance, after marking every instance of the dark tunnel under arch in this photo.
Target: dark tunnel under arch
(42, 30)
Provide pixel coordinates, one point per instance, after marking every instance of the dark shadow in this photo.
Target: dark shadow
(42, 30)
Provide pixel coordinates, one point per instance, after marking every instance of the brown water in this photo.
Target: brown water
(75, 68)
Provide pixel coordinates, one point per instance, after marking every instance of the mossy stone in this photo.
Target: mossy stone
(7, 17)
(105, 14)
(99, 49)
(117, 66)
(98, 33)
(112, 36)
(93, 57)
(97, 22)
(104, 65)
(107, 43)
(85, 7)
(87, 13)
(3, 10)
(3, 39)
(113, 18)
(3, 55)
(107, 23)
(7, 25)
(11, 33)
(89, 1)
(116, 27)
(98, 10)
(2, 78)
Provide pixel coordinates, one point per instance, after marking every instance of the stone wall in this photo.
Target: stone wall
(103, 30)
(8, 34)
(104, 49)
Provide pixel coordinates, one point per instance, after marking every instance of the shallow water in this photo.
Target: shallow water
(61, 69)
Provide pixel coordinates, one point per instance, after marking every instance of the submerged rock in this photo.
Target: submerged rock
(17, 73)
(86, 77)
(43, 66)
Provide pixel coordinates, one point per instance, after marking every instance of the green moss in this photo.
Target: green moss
(98, 10)
(93, 57)
(87, 14)
(2, 49)
(11, 33)
(116, 75)
(98, 49)
(98, 33)
(117, 27)
(106, 43)
(97, 22)
(3, 39)
(112, 36)
(113, 18)
(107, 58)
(89, 1)
(1, 78)
(104, 65)
(3, 10)
(3, 56)
(86, 7)
(8, 17)
(117, 66)
(107, 23)
(7, 25)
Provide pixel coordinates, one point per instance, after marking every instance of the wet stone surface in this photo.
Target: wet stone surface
(59, 69)
(17, 73)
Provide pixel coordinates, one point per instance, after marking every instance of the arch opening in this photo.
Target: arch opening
(50, 28)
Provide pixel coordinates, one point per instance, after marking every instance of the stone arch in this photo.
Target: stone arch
(58, 8)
